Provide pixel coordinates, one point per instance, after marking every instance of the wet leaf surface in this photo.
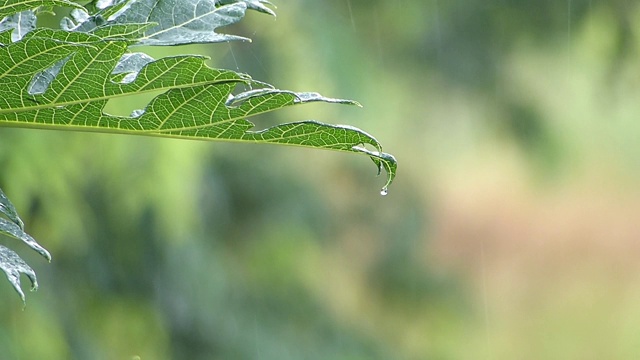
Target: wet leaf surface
(62, 79)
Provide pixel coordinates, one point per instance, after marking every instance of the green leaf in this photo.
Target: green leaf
(195, 21)
(58, 79)
(10, 263)
(12, 229)
(21, 23)
(258, 5)
(7, 209)
(13, 266)
(62, 79)
(11, 7)
(191, 21)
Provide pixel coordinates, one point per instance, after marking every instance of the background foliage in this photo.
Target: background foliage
(511, 232)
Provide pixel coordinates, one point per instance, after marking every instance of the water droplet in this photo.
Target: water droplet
(384, 191)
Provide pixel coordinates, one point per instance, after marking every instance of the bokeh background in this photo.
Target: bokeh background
(511, 232)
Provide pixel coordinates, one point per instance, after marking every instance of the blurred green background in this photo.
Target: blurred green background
(511, 232)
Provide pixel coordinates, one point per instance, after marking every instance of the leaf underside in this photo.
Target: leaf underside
(63, 79)
(10, 263)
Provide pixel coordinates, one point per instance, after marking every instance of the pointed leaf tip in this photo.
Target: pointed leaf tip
(306, 97)
(383, 161)
(10, 263)
(13, 266)
(13, 230)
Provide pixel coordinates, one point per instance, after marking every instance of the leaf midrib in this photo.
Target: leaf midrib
(108, 130)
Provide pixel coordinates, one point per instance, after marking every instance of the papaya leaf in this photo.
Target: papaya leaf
(11, 229)
(12, 7)
(7, 209)
(190, 21)
(21, 23)
(60, 79)
(12, 265)
(258, 5)
(63, 78)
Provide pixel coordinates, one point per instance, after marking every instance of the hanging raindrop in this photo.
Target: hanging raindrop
(384, 191)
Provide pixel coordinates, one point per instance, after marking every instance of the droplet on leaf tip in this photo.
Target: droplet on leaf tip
(384, 191)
